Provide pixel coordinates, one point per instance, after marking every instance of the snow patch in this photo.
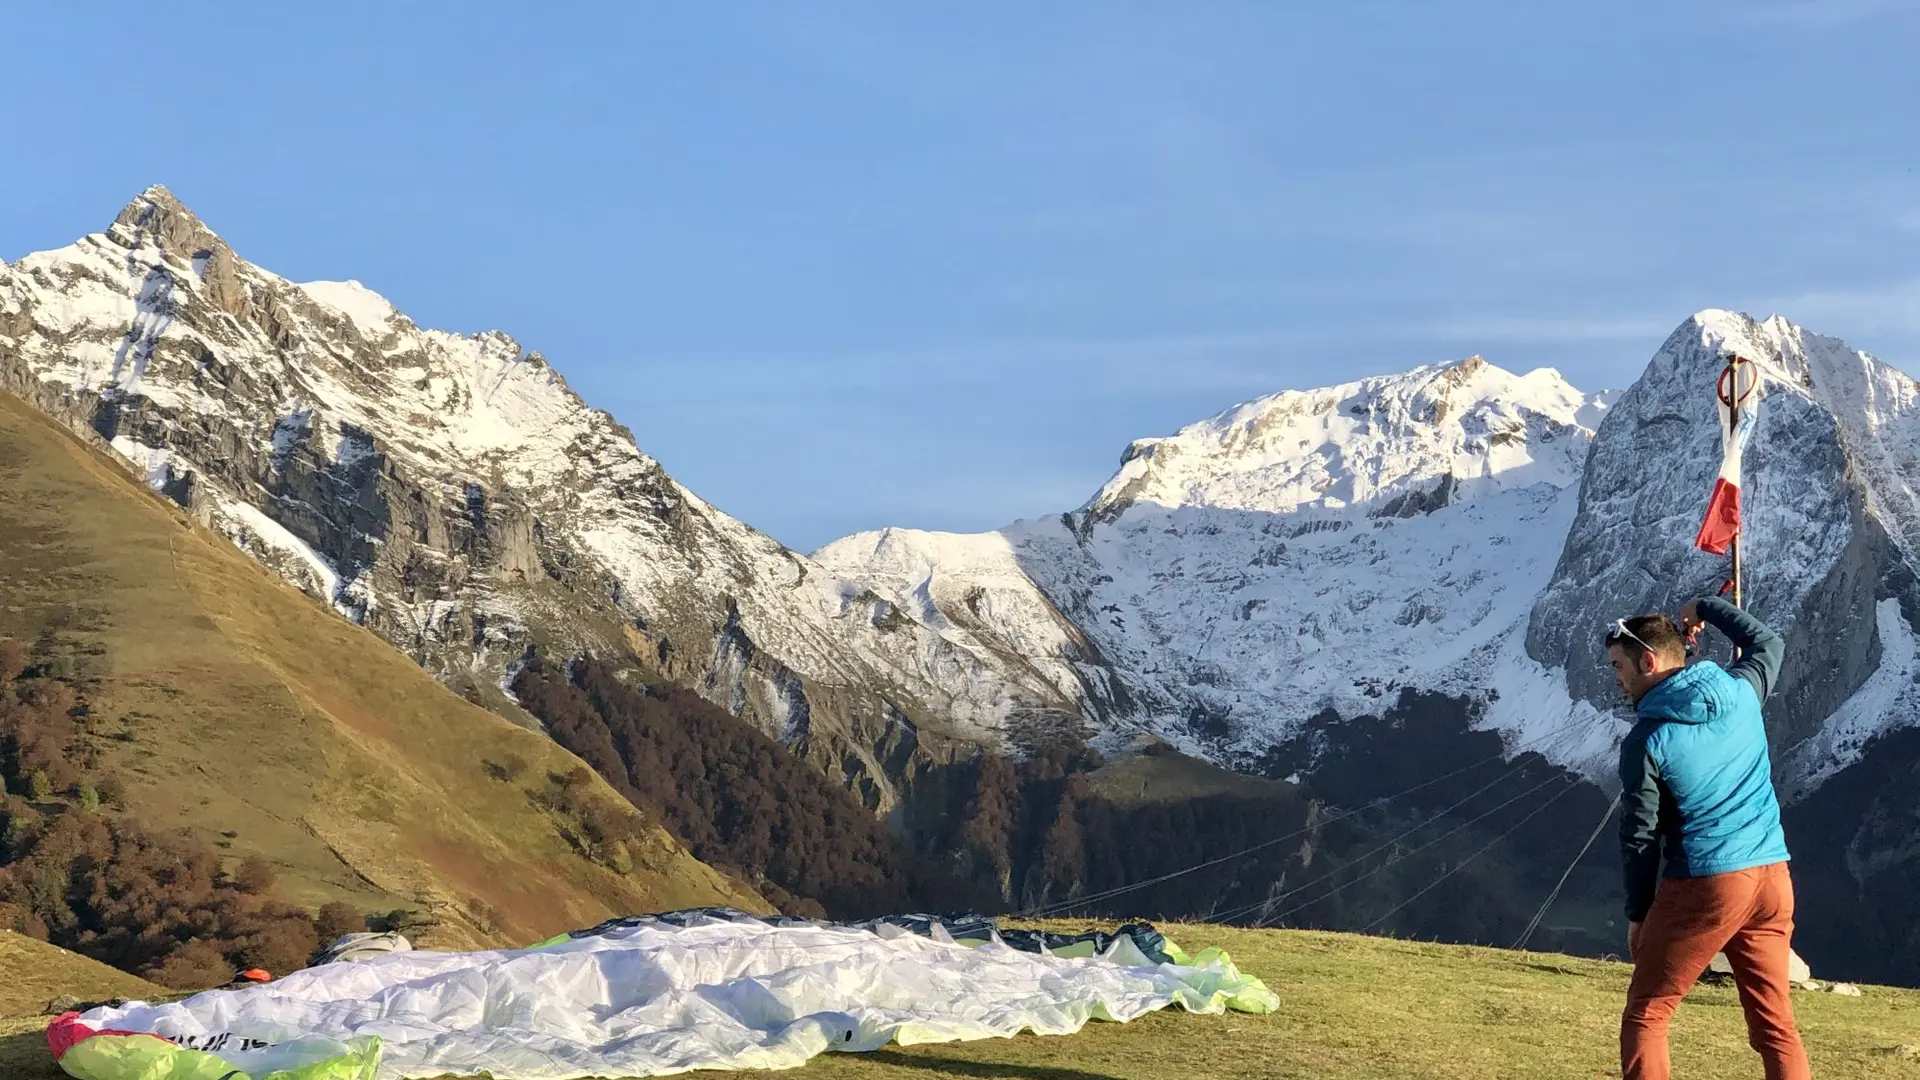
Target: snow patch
(354, 447)
(252, 529)
(1529, 704)
(154, 312)
(274, 544)
(367, 310)
(1888, 700)
(289, 432)
(512, 672)
(154, 462)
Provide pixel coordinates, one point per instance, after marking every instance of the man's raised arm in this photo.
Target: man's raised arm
(1761, 650)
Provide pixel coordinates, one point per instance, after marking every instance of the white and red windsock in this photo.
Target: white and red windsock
(1735, 391)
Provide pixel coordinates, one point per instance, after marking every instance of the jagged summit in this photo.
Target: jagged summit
(156, 213)
(1365, 443)
(157, 198)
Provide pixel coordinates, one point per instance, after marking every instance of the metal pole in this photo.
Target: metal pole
(1737, 600)
(1733, 428)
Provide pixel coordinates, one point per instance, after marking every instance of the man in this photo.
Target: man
(1695, 779)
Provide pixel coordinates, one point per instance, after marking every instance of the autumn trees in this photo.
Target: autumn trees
(735, 797)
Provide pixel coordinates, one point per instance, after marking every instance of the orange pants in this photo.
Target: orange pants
(1747, 914)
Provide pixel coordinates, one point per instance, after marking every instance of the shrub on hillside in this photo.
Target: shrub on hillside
(508, 769)
(254, 875)
(277, 937)
(113, 791)
(13, 660)
(337, 919)
(486, 916)
(193, 964)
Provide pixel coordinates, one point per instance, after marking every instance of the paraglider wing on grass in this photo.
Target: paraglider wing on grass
(658, 995)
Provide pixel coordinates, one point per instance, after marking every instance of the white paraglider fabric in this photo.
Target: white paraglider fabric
(654, 1000)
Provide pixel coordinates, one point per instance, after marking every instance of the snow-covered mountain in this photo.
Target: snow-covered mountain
(1458, 529)
(1306, 551)
(452, 493)
(1466, 532)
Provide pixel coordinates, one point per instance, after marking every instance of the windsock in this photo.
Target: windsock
(1739, 412)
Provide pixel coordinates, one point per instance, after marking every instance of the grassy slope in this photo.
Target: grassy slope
(32, 975)
(1170, 776)
(1367, 1009)
(233, 703)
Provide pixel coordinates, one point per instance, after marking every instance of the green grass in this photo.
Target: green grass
(1360, 1008)
(1170, 776)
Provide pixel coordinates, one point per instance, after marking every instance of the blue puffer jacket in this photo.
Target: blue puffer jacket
(1694, 771)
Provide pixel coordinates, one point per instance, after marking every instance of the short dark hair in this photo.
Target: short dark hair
(1657, 633)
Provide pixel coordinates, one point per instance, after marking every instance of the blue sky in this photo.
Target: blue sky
(863, 264)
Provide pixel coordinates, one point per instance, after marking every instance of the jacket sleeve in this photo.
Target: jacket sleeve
(1639, 824)
(1761, 650)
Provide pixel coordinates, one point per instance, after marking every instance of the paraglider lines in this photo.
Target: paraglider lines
(1107, 894)
(1462, 864)
(1605, 815)
(1402, 855)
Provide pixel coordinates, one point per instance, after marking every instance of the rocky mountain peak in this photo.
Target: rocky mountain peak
(1366, 443)
(1829, 526)
(156, 214)
(156, 219)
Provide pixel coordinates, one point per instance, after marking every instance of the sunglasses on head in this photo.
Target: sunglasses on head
(1619, 630)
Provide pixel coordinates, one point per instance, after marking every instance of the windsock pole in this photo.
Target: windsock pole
(1732, 380)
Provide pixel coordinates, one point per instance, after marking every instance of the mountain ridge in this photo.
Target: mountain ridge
(452, 493)
(1434, 494)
